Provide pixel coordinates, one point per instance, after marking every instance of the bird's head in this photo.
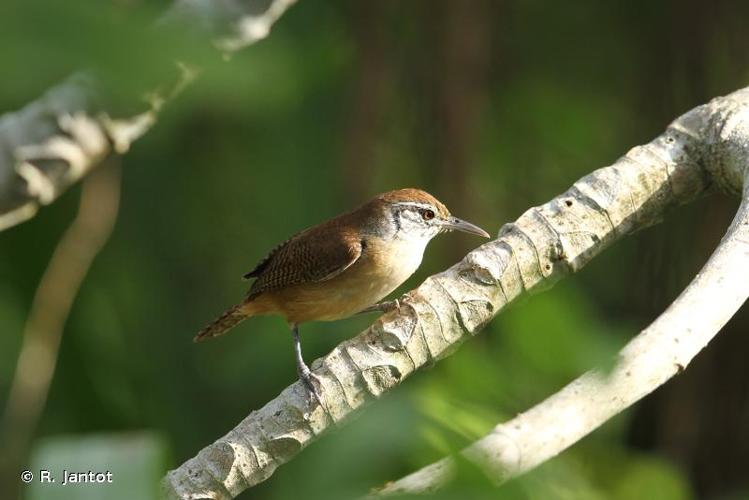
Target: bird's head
(413, 214)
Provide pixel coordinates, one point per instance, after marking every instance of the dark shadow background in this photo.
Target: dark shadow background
(492, 106)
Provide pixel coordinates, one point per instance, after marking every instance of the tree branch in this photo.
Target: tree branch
(658, 353)
(56, 140)
(543, 245)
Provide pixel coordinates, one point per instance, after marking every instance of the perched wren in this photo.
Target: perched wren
(343, 266)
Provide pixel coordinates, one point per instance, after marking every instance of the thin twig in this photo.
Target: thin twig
(51, 306)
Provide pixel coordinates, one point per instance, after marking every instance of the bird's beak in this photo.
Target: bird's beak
(453, 223)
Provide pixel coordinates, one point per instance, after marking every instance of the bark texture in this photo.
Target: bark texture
(545, 244)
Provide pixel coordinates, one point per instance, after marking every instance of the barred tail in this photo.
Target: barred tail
(231, 318)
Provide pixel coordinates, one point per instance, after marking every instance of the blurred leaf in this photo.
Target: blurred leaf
(136, 462)
(559, 334)
(644, 475)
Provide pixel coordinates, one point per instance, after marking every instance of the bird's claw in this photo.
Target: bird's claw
(311, 383)
(390, 305)
(386, 306)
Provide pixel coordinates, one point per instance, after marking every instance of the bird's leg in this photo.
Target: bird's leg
(385, 306)
(305, 374)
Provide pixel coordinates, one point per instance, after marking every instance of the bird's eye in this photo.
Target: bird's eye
(427, 214)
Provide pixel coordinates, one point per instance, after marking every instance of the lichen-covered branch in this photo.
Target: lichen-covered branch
(56, 140)
(658, 353)
(543, 245)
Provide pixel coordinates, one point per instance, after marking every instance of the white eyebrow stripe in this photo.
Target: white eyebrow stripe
(414, 204)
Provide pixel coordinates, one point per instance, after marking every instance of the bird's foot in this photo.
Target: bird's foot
(386, 306)
(312, 383)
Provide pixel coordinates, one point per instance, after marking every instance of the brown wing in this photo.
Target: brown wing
(304, 258)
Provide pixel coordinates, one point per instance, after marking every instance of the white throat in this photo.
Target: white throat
(407, 252)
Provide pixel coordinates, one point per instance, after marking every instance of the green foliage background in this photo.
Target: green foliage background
(493, 107)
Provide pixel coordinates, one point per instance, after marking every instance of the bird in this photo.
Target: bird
(342, 266)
